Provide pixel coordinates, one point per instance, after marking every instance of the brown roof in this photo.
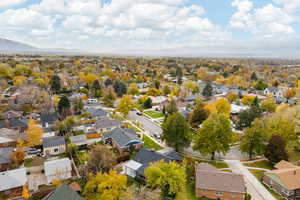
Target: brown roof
(288, 174)
(284, 165)
(210, 178)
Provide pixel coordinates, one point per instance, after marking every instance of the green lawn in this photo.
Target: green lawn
(30, 162)
(217, 164)
(150, 144)
(294, 156)
(259, 174)
(133, 127)
(260, 164)
(154, 114)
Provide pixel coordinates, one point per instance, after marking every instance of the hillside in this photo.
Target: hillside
(10, 46)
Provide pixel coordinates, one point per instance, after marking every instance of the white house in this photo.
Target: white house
(60, 169)
(11, 182)
(274, 91)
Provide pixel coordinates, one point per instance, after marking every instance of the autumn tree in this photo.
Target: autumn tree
(248, 100)
(169, 177)
(232, 97)
(103, 160)
(153, 92)
(109, 96)
(223, 106)
(290, 93)
(78, 106)
(176, 132)
(246, 117)
(215, 136)
(17, 157)
(108, 186)
(254, 140)
(268, 104)
(34, 133)
(126, 105)
(275, 150)
(25, 192)
(133, 89)
(198, 115)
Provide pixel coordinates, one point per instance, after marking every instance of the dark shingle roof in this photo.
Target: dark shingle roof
(5, 155)
(63, 192)
(106, 122)
(16, 123)
(49, 118)
(97, 112)
(122, 136)
(53, 141)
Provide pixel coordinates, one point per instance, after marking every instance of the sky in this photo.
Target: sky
(157, 27)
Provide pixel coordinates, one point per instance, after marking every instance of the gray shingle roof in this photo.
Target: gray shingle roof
(5, 155)
(106, 122)
(122, 136)
(96, 113)
(16, 123)
(63, 192)
(53, 141)
(49, 118)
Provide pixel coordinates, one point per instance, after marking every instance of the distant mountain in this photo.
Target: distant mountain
(10, 46)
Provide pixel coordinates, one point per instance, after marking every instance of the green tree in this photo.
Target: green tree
(169, 177)
(172, 107)
(120, 88)
(108, 186)
(246, 117)
(64, 106)
(176, 132)
(109, 96)
(198, 115)
(148, 103)
(55, 84)
(275, 150)
(215, 136)
(253, 76)
(254, 139)
(78, 106)
(208, 90)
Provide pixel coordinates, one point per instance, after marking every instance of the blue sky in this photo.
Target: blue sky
(157, 27)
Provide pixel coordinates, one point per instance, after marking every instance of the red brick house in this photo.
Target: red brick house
(215, 184)
(284, 180)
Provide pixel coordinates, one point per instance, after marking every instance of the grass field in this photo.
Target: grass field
(260, 164)
(154, 114)
(150, 144)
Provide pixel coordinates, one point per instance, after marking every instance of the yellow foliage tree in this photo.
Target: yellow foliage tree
(111, 186)
(19, 80)
(223, 106)
(281, 107)
(126, 104)
(247, 100)
(34, 133)
(56, 182)
(25, 192)
(232, 97)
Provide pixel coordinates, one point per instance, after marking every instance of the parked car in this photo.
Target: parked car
(33, 151)
(139, 113)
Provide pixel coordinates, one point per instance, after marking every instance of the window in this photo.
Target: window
(56, 150)
(219, 194)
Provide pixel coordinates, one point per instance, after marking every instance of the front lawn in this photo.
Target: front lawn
(30, 162)
(150, 144)
(128, 125)
(260, 164)
(154, 114)
(217, 164)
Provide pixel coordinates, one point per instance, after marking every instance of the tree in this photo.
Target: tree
(17, 157)
(172, 107)
(268, 104)
(103, 160)
(248, 100)
(109, 96)
(215, 135)
(78, 106)
(120, 88)
(169, 177)
(66, 125)
(97, 88)
(290, 93)
(246, 117)
(253, 76)
(108, 82)
(148, 103)
(64, 106)
(223, 106)
(176, 132)
(260, 85)
(153, 92)
(126, 104)
(191, 86)
(34, 133)
(108, 186)
(275, 150)
(208, 90)
(232, 97)
(133, 89)
(55, 84)
(25, 192)
(166, 90)
(198, 115)
(254, 139)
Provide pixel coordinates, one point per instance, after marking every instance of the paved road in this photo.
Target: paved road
(148, 125)
(254, 187)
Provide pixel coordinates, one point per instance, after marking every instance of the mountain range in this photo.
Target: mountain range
(10, 46)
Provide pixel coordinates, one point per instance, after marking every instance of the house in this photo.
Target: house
(54, 145)
(122, 139)
(10, 137)
(59, 169)
(79, 140)
(12, 182)
(284, 180)
(63, 192)
(236, 109)
(97, 113)
(48, 119)
(215, 184)
(158, 100)
(11, 114)
(274, 91)
(107, 124)
(136, 167)
(18, 124)
(5, 158)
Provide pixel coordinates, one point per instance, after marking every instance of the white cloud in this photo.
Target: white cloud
(10, 3)
(289, 5)
(267, 21)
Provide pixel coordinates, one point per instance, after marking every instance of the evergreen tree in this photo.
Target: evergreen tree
(208, 90)
(253, 76)
(148, 103)
(120, 88)
(275, 150)
(55, 84)
(64, 106)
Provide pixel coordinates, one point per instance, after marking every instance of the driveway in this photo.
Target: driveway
(148, 125)
(254, 187)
